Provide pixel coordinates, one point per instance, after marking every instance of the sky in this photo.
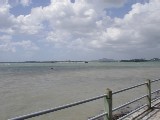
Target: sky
(79, 29)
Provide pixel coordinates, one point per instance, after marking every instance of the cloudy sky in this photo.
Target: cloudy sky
(79, 29)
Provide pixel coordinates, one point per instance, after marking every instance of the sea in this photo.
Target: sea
(32, 87)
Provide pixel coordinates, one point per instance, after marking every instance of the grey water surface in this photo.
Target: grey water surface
(31, 87)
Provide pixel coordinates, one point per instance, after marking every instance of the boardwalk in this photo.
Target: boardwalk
(156, 116)
(153, 114)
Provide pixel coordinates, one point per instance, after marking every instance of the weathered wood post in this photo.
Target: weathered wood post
(149, 99)
(108, 104)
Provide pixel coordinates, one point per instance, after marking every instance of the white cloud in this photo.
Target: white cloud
(105, 3)
(6, 44)
(27, 24)
(25, 2)
(5, 37)
(75, 22)
(14, 3)
(3, 2)
(86, 25)
(63, 14)
(26, 44)
(21, 24)
(142, 22)
(7, 20)
(138, 30)
(59, 38)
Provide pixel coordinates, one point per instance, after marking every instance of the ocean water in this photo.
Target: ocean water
(31, 87)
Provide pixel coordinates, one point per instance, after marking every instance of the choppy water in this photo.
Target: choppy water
(30, 87)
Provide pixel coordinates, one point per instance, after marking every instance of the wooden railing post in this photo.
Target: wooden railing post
(108, 104)
(149, 99)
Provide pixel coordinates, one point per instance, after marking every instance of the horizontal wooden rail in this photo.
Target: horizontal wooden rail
(155, 99)
(129, 103)
(116, 92)
(155, 91)
(155, 80)
(57, 108)
(98, 116)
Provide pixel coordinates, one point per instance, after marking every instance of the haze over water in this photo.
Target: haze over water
(31, 87)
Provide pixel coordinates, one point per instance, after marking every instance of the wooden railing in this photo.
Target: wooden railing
(108, 113)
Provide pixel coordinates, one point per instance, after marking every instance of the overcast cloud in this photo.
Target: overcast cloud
(81, 29)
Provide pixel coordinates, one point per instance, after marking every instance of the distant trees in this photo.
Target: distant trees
(134, 60)
(140, 60)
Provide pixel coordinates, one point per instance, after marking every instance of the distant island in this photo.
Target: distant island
(131, 60)
(141, 60)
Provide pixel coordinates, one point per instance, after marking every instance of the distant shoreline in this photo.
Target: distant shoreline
(85, 61)
(126, 61)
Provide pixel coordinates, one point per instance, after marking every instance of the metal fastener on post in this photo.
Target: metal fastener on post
(108, 104)
(148, 83)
